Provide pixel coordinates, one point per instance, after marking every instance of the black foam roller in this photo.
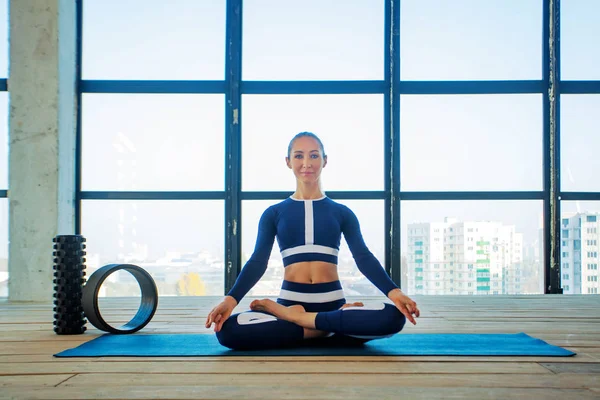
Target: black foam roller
(69, 266)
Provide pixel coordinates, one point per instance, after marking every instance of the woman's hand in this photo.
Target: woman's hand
(405, 304)
(220, 313)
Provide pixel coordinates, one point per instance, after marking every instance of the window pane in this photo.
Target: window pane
(183, 39)
(471, 142)
(371, 217)
(579, 38)
(153, 142)
(580, 247)
(180, 243)
(4, 140)
(4, 247)
(350, 127)
(3, 38)
(313, 40)
(472, 247)
(471, 39)
(579, 142)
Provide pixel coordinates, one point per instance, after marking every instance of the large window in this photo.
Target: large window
(432, 114)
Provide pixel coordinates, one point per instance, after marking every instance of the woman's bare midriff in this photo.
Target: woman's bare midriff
(311, 272)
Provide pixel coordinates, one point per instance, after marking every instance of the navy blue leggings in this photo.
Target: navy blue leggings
(349, 326)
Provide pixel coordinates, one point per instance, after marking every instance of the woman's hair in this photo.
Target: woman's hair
(305, 134)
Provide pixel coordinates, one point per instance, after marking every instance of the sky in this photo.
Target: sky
(176, 142)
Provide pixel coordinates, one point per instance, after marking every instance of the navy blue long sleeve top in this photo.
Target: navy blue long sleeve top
(309, 230)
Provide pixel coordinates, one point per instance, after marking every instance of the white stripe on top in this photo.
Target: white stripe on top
(312, 248)
(309, 223)
(311, 297)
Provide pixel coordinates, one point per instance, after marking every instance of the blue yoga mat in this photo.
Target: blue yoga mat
(403, 344)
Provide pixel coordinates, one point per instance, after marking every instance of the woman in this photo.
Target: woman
(311, 305)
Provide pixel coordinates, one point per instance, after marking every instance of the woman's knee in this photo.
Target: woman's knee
(227, 335)
(380, 319)
(252, 330)
(237, 333)
(395, 320)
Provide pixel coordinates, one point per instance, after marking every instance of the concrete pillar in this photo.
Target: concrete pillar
(42, 98)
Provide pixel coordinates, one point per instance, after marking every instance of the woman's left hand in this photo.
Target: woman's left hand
(405, 304)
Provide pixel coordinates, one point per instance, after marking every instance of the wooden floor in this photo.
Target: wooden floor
(29, 371)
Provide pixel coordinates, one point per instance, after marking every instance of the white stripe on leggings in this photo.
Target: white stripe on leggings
(370, 337)
(367, 307)
(311, 297)
(254, 317)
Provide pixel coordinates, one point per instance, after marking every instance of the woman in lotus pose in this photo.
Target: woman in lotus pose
(311, 305)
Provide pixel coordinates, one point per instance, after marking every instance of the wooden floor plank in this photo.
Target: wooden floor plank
(49, 335)
(282, 392)
(566, 381)
(24, 347)
(32, 380)
(580, 368)
(272, 367)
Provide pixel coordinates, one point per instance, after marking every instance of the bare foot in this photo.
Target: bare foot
(356, 304)
(293, 314)
(278, 310)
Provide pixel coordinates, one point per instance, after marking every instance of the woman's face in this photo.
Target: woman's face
(306, 159)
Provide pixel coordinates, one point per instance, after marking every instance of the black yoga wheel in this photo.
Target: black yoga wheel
(147, 307)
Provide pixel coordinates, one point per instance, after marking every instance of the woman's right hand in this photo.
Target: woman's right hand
(220, 313)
